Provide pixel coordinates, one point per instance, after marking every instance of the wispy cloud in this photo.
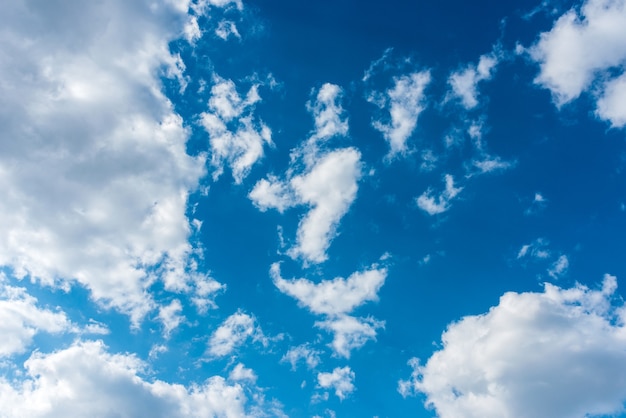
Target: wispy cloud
(434, 205)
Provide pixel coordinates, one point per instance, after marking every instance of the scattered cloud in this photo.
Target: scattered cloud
(335, 299)
(404, 102)
(559, 267)
(538, 204)
(584, 47)
(350, 333)
(241, 373)
(328, 184)
(21, 319)
(340, 379)
(236, 137)
(304, 352)
(234, 332)
(559, 353)
(464, 83)
(439, 204)
(538, 249)
(86, 380)
(170, 316)
(226, 29)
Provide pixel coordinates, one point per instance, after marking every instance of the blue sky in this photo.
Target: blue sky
(246, 208)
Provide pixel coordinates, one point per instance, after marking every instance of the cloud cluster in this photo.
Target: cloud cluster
(340, 379)
(404, 102)
(236, 138)
(327, 183)
(582, 49)
(233, 332)
(464, 83)
(335, 299)
(93, 165)
(434, 205)
(86, 380)
(555, 354)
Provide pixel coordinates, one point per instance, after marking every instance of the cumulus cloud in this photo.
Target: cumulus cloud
(234, 332)
(558, 353)
(404, 102)
(170, 316)
(464, 83)
(21, 319)
(350, 333)
(236, 138)
(226, 29)
(96, 177)
(310, 356)
(327, 183)
(434, 205)
(584, 47)
(86, 380)
(335, 299)
(340, 379)
(241, 374)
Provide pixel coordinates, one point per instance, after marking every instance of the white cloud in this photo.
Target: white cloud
(404, 102)
(340, 379)
(559, 267)
(329, 188)
(327, 184)
(170, 316)
(350, 333)
(302, 352)
(21, 319)
(226, 29)
(95, 188)
(85, 380)
(556, 354)
(241, 374)
(537, 249)
(335, 299)
(612, 102)
(580, 49)
(328, 113)
(464, 83)
(234, 332)
(236, 138)
(436, 205)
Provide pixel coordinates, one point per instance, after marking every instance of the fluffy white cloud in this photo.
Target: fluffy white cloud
(579, 49)
(302, 352)
(95, 177)
(350, 333)
(226, 29)
(436, 205)
(335, 299)
(235, 137)
(404, 102)
(328, 113)
(233, 332)
(242, 373)
(21, 319)
(556, 354)
(340, 379)
(170, 316)
(464, 83)
(85, 380)
(327, 184)
(329, 188)
(612, 102)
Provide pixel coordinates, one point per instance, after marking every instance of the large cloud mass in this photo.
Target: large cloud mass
(583, 48)
(93, 167)
(556, 354)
